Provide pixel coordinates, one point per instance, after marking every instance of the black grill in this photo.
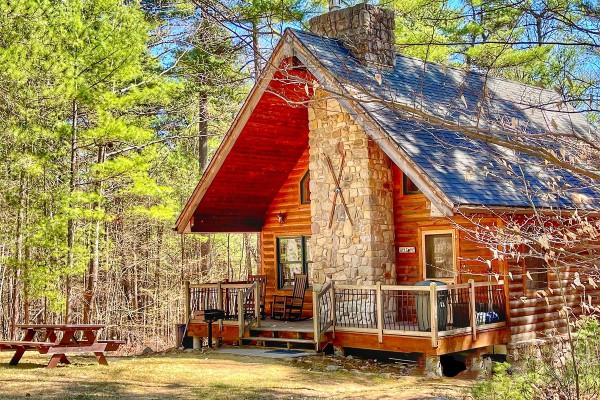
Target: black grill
(213, 314)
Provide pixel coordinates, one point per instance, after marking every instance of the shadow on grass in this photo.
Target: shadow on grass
(82, 390)
(21, 365)
(224, 391)
(179, 376)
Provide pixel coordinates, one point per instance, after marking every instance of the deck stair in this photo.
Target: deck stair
(298, 334)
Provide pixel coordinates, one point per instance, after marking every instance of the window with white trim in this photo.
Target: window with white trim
(438, 255)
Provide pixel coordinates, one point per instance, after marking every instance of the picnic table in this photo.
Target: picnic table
(58, 340)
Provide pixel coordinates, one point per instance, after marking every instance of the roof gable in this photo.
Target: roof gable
(255, 157)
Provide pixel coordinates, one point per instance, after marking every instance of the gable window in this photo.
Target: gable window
(293, 257)
(409, 187)
(438, 255)
(305, 189)
(538, 271)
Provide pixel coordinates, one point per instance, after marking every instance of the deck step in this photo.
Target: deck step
(276, 339)
(274, 328)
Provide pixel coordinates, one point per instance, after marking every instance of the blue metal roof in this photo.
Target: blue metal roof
(467, 170)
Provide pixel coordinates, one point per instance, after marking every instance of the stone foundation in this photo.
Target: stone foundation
(433, 367)
(361, 251)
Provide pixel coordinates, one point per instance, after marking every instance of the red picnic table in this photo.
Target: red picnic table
(58, 340)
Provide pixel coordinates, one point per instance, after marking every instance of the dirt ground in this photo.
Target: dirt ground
(214, 375)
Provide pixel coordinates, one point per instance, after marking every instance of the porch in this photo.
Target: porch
(432, 320)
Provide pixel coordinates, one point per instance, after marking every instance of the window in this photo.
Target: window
(293, 257)
(538, 270)
(409, 186)
(438, 255)
(305, 189)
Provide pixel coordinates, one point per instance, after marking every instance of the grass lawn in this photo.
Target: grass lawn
(180, 375)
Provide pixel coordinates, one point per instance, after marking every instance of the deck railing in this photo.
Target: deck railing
(432, 311)
(323, 311)
(237, 300)
(410, 310)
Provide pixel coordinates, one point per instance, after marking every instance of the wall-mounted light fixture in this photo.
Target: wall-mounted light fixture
(281, 217)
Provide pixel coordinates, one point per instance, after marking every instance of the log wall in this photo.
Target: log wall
(532, 316)
(297, 223)
(412, 217)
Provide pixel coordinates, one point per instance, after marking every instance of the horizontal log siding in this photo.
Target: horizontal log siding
(412, 213)
(287, 201)
(531, 317)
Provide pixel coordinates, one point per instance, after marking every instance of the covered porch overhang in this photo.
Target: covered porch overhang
(256, 156)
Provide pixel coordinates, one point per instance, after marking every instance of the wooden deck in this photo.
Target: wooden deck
(298, 333)
(432, 320)
(269, 325)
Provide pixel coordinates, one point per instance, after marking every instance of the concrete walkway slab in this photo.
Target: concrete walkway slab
(266, 353)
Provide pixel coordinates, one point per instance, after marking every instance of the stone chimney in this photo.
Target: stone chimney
(366, 30)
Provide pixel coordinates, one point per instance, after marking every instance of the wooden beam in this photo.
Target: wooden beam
(379, 294)
(433, 308)
(472, 309)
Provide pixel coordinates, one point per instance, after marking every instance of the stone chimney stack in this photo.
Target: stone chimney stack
(366, 30)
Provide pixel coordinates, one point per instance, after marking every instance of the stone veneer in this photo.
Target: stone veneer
(366, 30)
(363, 253)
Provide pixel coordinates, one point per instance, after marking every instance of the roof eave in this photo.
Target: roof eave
(499, 209)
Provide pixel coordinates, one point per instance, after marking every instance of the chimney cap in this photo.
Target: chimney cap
(334, 5)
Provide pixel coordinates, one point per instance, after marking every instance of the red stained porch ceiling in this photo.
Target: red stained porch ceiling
(267, 149)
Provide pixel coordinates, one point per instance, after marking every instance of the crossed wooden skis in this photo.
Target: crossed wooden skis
(338, 190)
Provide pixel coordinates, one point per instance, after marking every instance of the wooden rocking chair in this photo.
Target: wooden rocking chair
(263, 293)
(288, 307)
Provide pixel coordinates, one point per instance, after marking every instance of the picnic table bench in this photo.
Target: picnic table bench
(58, 340)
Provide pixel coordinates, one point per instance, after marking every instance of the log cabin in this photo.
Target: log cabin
(358, 167)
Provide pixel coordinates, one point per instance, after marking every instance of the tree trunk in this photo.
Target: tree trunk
(71, 222)
(94, 263)
(17, 277)
(202, 163)
(202, 131)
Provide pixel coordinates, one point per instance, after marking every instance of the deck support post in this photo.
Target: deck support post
(472, 309)
(333, 321)
(220, 303)
(433, 367)
(197, 343)
(187, 302)
(433, 308)
(339, 351)
(316, 317)
(257, 292)
(240, 309)
(379, 300)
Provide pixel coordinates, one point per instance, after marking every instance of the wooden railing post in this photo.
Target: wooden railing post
(316, 317)
(240, 307)
(433, 308)
(220, 303)
(257, 292)
(332, 294)
(379, 304)
(473, 313)
(188, 299)
(219, 296)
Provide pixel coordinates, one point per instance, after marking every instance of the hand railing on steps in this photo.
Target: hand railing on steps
(323, 312)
